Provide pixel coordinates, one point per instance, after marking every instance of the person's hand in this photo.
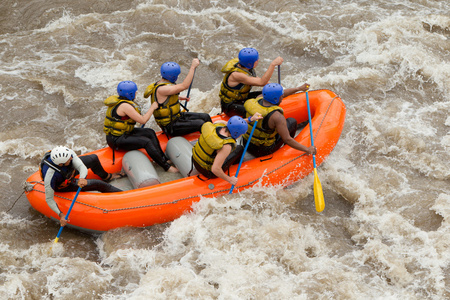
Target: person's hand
(195, 62)
(184, 98)
(277, 61)
(256, 116)
(304, 87)
(82, 182)
(311, 150)
(62, 220)
(233, 180)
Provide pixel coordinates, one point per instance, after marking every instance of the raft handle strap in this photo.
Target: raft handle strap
(269, 158)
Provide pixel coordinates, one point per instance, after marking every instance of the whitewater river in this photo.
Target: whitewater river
(385, 231)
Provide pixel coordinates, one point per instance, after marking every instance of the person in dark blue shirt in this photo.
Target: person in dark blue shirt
(59, 168)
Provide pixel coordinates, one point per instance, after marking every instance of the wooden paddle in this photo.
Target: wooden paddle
(318, 193)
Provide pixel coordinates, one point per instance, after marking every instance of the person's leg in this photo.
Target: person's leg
(188, 123)
(233, 109)
(292, 126)
(92, 162)
(92, 185)
(72, 187)
(101, 186)
(144, 138)
(253, 95)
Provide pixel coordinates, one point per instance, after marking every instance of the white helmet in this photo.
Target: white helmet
(60, 155)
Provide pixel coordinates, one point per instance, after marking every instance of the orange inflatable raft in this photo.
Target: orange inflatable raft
(166, 201)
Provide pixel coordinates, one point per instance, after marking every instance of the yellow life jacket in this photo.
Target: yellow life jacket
(118, 126)
(263, 135)
(166, 112)
(205, 150)
(229, 94)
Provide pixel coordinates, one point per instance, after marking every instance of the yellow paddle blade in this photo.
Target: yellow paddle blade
(318, 193)
(50, 250)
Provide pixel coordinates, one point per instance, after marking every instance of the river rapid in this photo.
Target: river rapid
(385, 231)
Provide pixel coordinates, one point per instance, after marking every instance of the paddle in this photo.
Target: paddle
(188, 92)
(318, 193)
(279, 75)
(243, 154)
(67, 215)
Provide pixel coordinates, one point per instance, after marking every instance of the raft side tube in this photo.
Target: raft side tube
(139, 169)
(179, 151)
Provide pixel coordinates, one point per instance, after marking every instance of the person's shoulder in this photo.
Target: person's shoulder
(277, 117)
(73, 153)
(237, 74)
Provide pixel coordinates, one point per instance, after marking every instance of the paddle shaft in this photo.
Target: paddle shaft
(279, 75)
(243, 154)
(310, 128)
(318, 193)
(189, 91)
(68, 213)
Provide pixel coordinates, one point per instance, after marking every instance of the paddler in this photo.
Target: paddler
(119, 125)
(239, 79)
(58, 170)
(274, 129)
(216, 149)
(165, 92)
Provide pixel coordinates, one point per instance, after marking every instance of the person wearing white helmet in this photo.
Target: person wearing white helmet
(216, 150)
(58, 170)
(239, 79)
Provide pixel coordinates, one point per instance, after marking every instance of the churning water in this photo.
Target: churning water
(385, 231)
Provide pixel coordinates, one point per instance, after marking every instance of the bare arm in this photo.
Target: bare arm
(278, 121)
(126, 109)
(238, 77)
(216, 168)
(165, 91)
(290, 91)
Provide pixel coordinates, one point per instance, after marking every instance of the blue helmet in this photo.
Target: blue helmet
(237, 126)
(272, 92)
(127, 89)
(170, 71)
(248, 57)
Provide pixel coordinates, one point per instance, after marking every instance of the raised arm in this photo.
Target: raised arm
(164, 91)
(238, 77)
